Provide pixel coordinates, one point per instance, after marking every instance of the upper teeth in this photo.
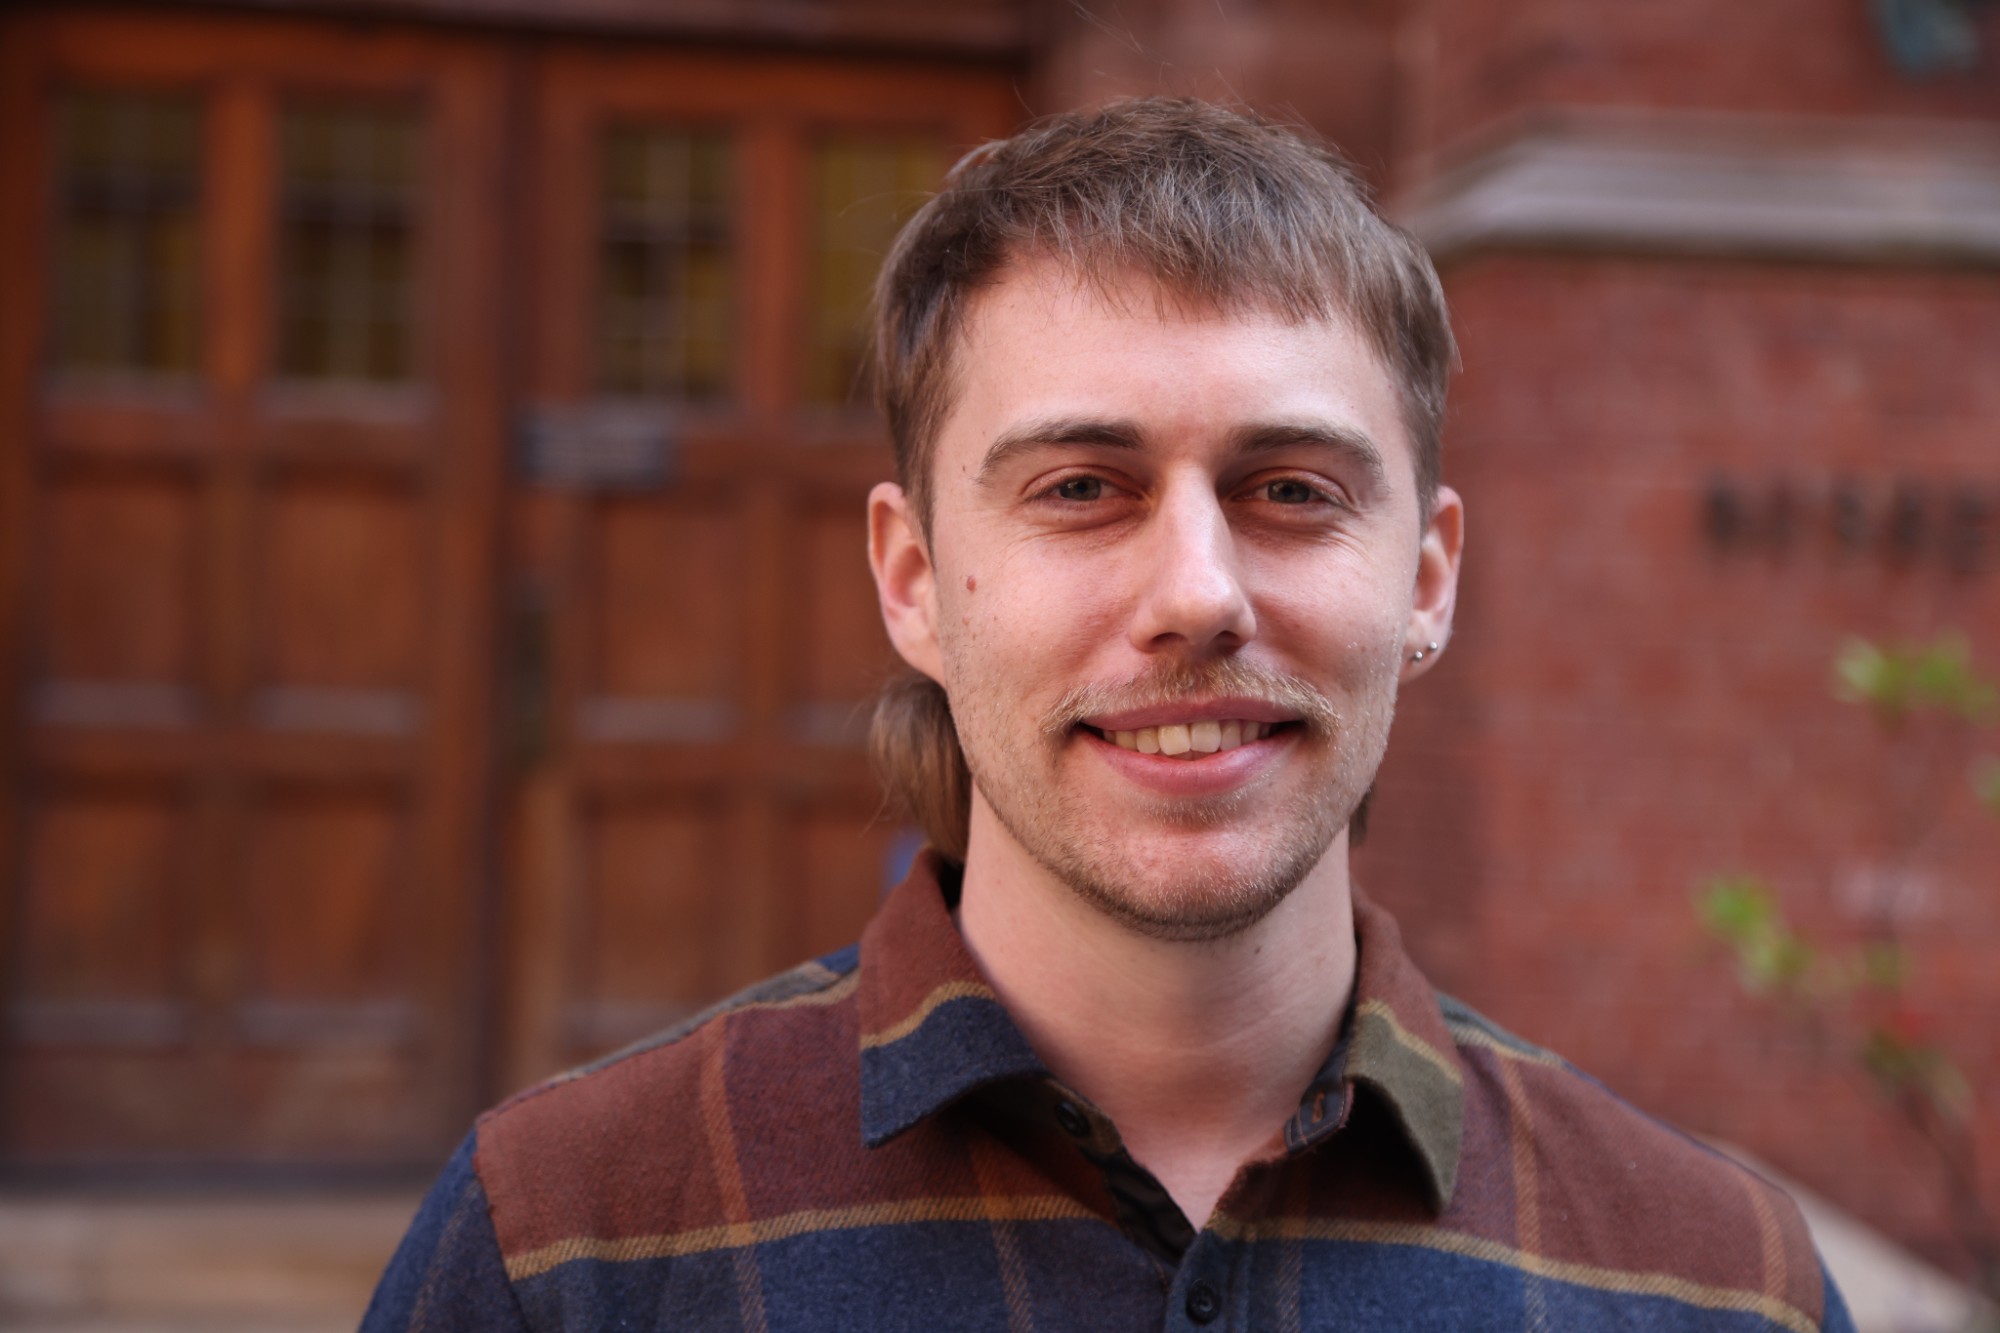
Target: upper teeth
(1191, 738)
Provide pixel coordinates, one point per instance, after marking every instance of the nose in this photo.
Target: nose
(1192, 593)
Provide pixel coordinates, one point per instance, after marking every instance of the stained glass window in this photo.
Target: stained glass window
(863, 190)
(347, 245)
(665, 284)
(127, 267)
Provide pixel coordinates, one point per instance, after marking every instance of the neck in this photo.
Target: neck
(1198, 1051)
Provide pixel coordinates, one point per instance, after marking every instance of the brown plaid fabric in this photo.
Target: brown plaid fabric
(868, 1143)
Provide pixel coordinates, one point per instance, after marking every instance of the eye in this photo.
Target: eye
(1290, 491)
(1079, 489)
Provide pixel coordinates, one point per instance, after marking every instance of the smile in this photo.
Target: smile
(1191, 740)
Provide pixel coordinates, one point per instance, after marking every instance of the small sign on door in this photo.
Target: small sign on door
(597, 446)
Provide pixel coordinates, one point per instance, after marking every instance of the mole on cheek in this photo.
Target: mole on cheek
(971, 583)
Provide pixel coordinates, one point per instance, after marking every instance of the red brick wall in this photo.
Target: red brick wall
(1328, 65)
(1478, 61)
(1628, 710)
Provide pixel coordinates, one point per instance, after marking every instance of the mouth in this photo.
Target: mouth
(1189, 741)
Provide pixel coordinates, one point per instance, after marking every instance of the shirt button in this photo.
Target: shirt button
(1203, 1302)
(1073, 1121)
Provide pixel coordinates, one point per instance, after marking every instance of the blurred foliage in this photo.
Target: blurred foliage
(1897, 682)
(1986, 781)
(1740, 911)
(1859, 989)
(1856, 997)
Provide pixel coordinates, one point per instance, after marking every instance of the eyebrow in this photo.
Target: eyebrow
(1352, 443)
(1054, 432)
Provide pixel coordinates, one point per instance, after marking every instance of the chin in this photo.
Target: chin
(1180, 905)
(1181, 889)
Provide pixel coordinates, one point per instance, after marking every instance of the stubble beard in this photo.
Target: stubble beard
(1224, 894)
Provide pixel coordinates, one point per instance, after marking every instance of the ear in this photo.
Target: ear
(1437, 583)
(905, 582)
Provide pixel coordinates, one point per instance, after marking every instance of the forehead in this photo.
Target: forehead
(1044, 343)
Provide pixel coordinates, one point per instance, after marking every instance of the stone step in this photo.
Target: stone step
(216, 1264)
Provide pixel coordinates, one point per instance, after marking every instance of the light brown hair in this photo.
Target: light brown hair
(1225, 211)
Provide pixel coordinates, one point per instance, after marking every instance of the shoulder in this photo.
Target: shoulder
(446, 1275)
(1598, 1193)
(630, 1143)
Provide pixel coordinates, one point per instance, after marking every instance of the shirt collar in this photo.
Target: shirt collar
(1398, 1046)
(932, 1031)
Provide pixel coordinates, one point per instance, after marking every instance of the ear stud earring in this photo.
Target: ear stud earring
(1424, 652)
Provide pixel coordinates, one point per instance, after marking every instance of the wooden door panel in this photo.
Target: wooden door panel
(129, 1101)
(666, 625)
(336, 1103)
(103, 1002)
(702, 814)
(102, 934)
(327, 944)
(841, 854)
(255, 600)
(652, 918)
(341, 601)
(256, 577)
(120, 562)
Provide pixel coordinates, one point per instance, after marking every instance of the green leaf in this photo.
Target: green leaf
(1986, 781)
(1896, 681)
(1737, 907)
(1742, 912)
(1863, 673)
(1899, 1065)
(1884, 966)
(1942, 677)
(1889, 1059)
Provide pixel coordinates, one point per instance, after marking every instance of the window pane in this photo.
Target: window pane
(665, 287)
(126, 267)
(346, 287)
(864, 189)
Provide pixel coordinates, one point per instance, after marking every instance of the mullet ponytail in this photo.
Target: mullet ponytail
(914, 745)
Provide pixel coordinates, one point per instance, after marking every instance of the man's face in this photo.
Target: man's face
(1176, 569)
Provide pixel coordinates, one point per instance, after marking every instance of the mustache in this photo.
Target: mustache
(1175, 681)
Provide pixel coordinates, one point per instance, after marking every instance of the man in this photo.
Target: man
(1126, 1050)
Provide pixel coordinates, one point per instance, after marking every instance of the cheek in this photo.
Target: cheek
(1024, 631)
(1351, 628)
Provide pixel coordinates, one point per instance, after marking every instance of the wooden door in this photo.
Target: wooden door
(694, 630)
(252, 467)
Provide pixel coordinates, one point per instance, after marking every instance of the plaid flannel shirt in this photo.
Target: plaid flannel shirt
(867, 1143)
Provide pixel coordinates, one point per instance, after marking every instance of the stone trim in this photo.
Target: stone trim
(1877, 191)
